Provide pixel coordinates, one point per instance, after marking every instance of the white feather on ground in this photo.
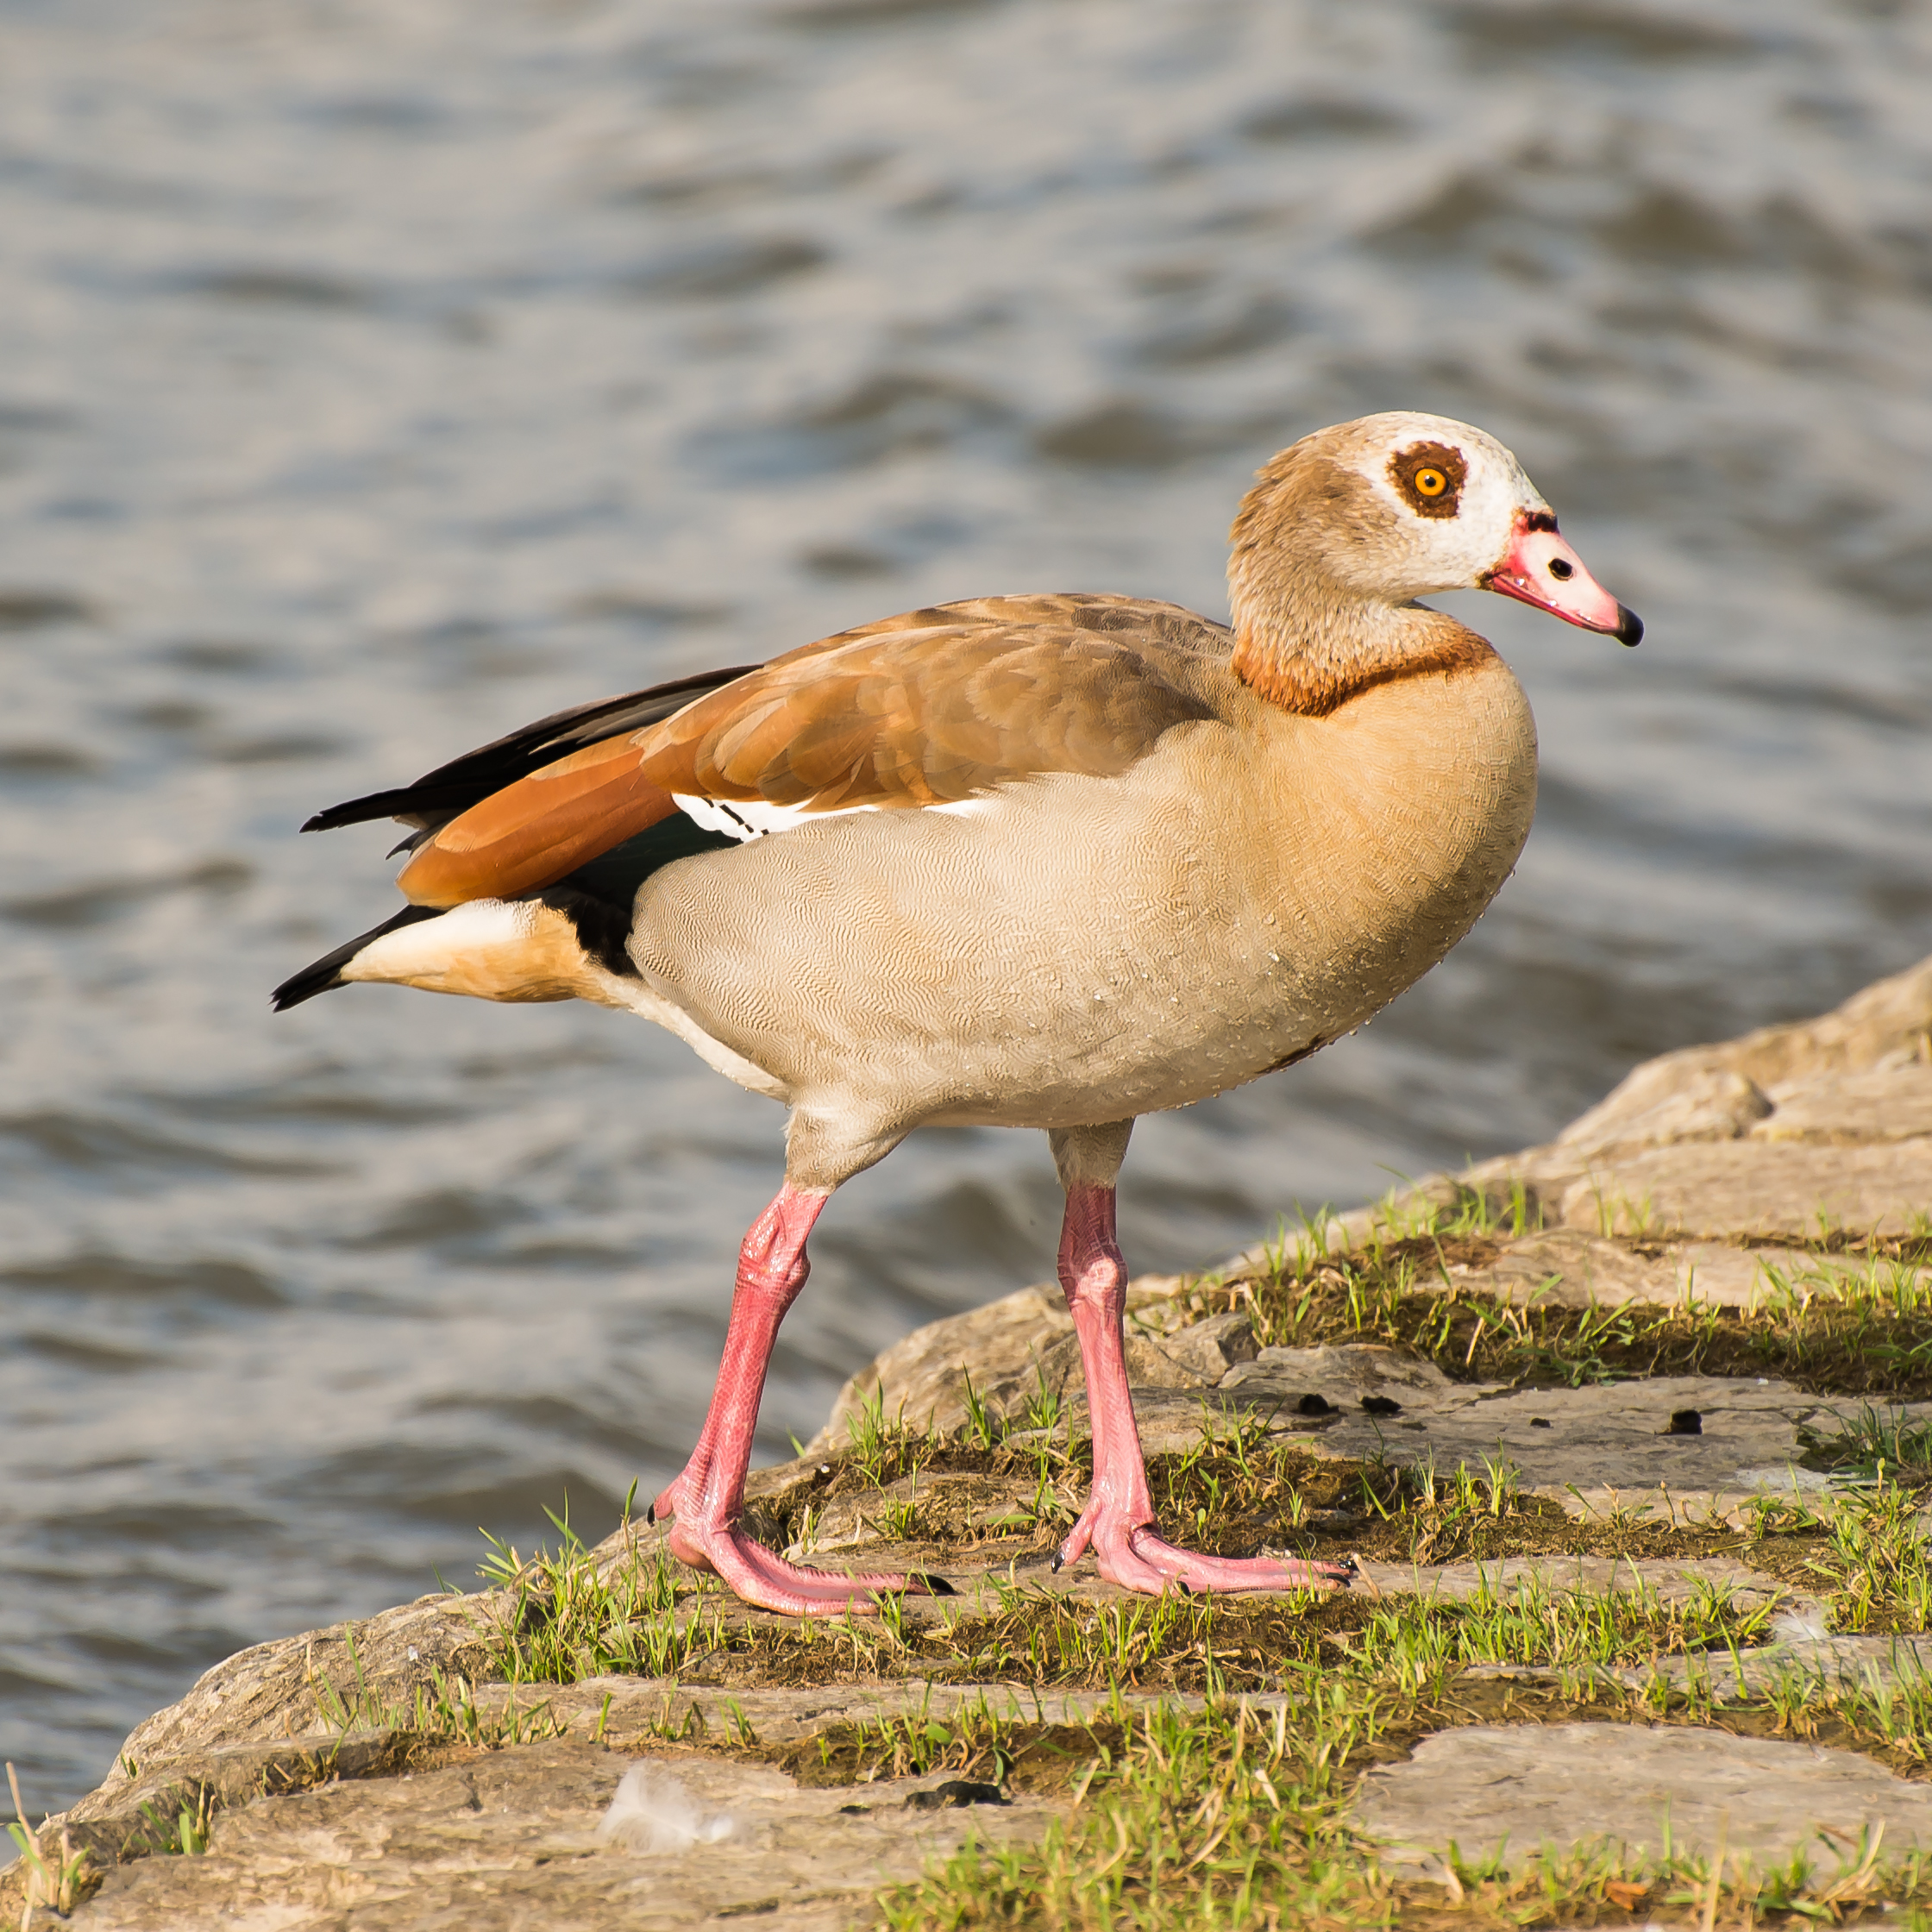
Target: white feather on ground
(653, 1812)
(1801, 1626)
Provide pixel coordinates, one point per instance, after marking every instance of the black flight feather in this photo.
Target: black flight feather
(439, 796)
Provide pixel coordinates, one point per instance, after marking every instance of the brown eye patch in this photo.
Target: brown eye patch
(1430, 477)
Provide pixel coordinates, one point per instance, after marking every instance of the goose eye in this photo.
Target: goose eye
(1428, 477)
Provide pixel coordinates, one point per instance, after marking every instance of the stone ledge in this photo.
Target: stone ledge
(508, 1838)
(1689, 1184)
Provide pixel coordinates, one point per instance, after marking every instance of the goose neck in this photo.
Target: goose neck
(1310, 654)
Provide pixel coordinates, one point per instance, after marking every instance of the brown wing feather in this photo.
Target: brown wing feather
(927, 708)
(931, 716)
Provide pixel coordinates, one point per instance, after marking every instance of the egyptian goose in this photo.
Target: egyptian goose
(1032, 861)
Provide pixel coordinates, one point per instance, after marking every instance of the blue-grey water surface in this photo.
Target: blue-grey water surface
(374, 378)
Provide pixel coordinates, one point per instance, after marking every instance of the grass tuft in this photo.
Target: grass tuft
(58, 1879)
(1857, 1321)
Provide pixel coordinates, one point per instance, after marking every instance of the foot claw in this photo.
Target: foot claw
(1133, 1557)
(932, 1584)
(766, 1581)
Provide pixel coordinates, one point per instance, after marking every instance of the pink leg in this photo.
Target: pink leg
(708, 1498)
(1119, 1519)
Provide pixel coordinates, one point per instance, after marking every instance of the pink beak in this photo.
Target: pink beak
(1541, 568)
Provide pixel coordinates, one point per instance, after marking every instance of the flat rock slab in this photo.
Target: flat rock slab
(508, 1843)
(1669, 1580)
(1615, 1435)
(1512, 1791)
(1756, 1188)
(626, 1706)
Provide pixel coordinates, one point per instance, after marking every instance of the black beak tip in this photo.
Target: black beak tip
(1629, 627)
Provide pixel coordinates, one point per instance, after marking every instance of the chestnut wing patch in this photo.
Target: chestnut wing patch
(900, 715)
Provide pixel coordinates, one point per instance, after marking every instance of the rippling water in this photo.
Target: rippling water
(377, 378)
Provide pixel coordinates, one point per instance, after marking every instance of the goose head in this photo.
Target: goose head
(1379, 512)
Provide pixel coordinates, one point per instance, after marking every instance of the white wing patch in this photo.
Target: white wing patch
(745, 819)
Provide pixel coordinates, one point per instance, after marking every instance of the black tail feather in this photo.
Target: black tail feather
(326, 973)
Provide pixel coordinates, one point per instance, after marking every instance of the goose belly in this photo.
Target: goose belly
(1079, 949)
